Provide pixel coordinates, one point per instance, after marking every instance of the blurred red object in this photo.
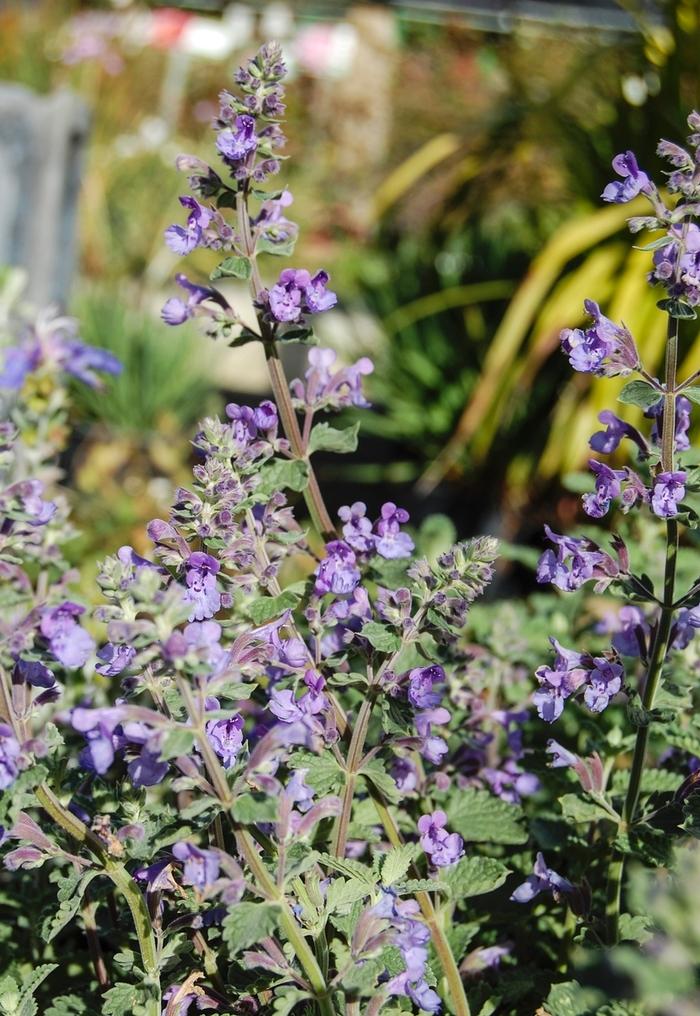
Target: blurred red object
(167, 25)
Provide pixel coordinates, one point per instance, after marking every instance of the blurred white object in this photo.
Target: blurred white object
(240, 22)
(206, 37)
(326, 50)
(277, 21)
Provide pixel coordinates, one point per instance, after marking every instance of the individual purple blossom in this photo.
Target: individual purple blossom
(178, 1000)
(391, 542)
(607, 441)
(558, 682)
(560, 757)
(442, 847)
(604, 682)
(433, 748)
(421, 686)
(603, 349)
(331, 390)
(629, 629)
(236, 144)
(183, 240)
(338, 572)
(98, 726)
(271, 223)
(608, 485)
(668, 491)
(404, 774)
(576, 560)
(357, 530)
(176, 311)
(634, 180)
(685, 625)
(305, 713)
(116, 658)
(157, 876)
(69, 643)
(226, 738)
(202, 590)
(147, 769)
(296, 293)
(201, 867)
(32, 672)
(542, 880)
(9, 756)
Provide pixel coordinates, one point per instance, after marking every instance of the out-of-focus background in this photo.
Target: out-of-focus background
(446, 160)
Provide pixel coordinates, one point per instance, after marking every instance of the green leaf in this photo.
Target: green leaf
(677, 309)
(247, 923)
(579, 809)
(325, 438)
(249, 809)
(70, 1005)
(283, 249)
(639, 393)
(396, 863)
(352, 869)
(283, 1004)
(692, 393)
(269, 607)
(362, 977)
(381, 637)
(568, 999)
(233, 268)
(70, 896)
(375, 771)
(176, 742)
(292, 474)
(479, 817)
(122, 1000)
(635, 929)
(342, 893)
(474, 876)
(323, 772)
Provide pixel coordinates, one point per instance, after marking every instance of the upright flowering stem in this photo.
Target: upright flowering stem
(278, 381)
(661, 639)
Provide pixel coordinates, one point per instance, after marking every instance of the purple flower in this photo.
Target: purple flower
(98, 726)
(667, 492)
(81, 361)
(391, 542)
(629, 629)
(176, 311)
(69, 643)
(608, 440)
(405, 774)
(561, 757)
(202, 591)
(19, 362)
(226, 738)
(184, 240)
(201, 867)
(604, 681)
(324, 389)
(607, 486)
(603, 349)
(147, 769)
(305, 714)
(542, 880)
(116, 658)
(575, 561)
(337, 573)
(634, 180)
(236, 145)
(442, 847)
(9, 755)
(684, 627)
(296, 293)
(158, 876)
(358, 528)
(559, 682)
(34, 673)
(421, 684)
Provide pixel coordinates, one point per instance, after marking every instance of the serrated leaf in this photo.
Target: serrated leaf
(323, 772)
(247, 923)
(178, 741)
(269, 607)
(362, 977)
(568, 999)
(396, 863)
(70, 895)
(70, 1005)
(232, 268)
(419, 885)
(352, 869)
(479, 817)
(381, 637)
(639, 393)
(634, 929)
(283, 1004)
(375, 772)
(325, 438)
(122, 999)
(283, 249)
(474, 876)
(343, 892)
(580, 809)
(249, 809)
(292, 474)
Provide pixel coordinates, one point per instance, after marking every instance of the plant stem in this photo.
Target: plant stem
(357, 743)
(661, 640)
(278, 381)
(122, 880)
(457, 996)
(292, 931)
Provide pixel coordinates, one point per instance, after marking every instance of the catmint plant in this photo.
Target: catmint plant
(639, 661)
(257, 759)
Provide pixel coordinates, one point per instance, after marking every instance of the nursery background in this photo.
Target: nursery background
(447, 161)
